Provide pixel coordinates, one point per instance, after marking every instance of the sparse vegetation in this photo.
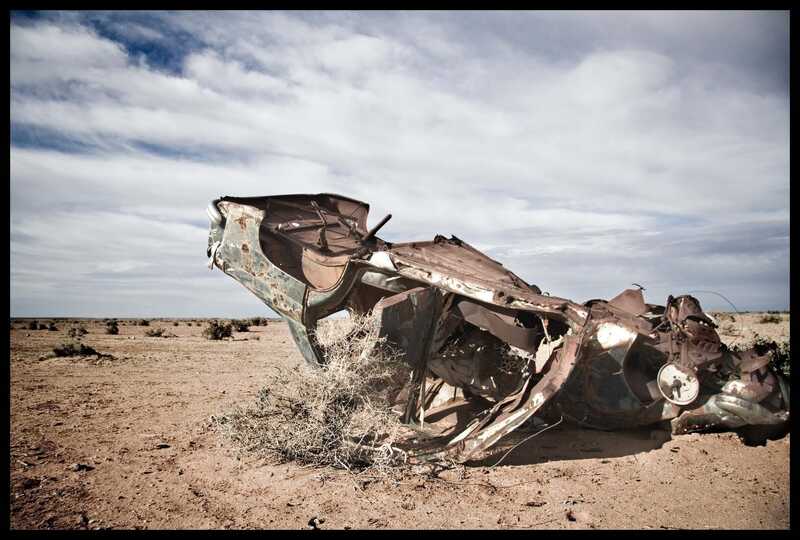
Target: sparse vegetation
(337, 415)
(770, 318)
(52, 327)
(217, 330)
(159, 332)
(175, 323)
(144, 322)
(258, 321)
(112, 327)
(33, 325)
(77, 332)
(74, 349)
(241, 325)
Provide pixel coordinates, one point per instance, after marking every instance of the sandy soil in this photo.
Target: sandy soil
(141, 423)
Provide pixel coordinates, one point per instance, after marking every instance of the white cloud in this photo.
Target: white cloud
(451, 130)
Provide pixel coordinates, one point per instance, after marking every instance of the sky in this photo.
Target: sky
(583, 150)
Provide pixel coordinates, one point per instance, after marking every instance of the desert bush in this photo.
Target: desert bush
(258, 321)
(188, 324)
(175, 323)
(241, 325)
(33, 325)
(770, 318)
(52, 327)
(112, 327)
(217, 330)
(42, 326)
(74, 349)
(338, 414)
(144, 322)
(77, 331)
(159, 332)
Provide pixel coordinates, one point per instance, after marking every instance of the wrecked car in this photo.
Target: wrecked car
(462, 319)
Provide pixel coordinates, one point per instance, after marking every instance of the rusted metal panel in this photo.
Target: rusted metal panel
(461, 318)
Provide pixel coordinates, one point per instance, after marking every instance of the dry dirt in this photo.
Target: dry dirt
(141, 422)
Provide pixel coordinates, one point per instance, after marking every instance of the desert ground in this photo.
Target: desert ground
(129, 442)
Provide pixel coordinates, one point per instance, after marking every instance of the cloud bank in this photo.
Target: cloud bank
(583, 150)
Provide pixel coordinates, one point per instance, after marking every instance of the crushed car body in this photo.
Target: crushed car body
(462, 319)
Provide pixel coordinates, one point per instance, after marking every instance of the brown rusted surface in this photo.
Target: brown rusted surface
(462, 319)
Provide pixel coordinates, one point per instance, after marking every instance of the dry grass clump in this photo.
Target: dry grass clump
(338, 414)
(159, 332)
(770, 318)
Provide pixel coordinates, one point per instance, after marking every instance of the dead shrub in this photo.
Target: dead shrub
(217, 330)
(112, 327)
(33, 325)
(77, 332)
(258, 321)
(241, 325)
(74, 349)
(770, 318)
(144, 322)
(338, 414)
(159, 332)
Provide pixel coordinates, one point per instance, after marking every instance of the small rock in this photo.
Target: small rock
(535, 504)
(82, 519)
(80, 467)
(570, 516)
(29, 483)
(315, 522)
(162, 445)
